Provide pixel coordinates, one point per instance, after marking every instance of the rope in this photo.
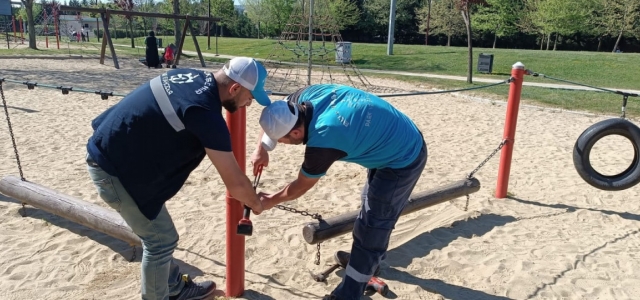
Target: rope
(535, 74)
(65, 89)
(420, 93)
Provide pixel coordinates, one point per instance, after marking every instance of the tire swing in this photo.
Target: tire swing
(584, 144)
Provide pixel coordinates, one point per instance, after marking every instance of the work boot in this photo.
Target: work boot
(342, 258)
(194, 291)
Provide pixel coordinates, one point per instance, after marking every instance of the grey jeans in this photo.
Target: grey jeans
(160, 275)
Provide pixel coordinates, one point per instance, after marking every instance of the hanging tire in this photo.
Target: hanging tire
(584, 144)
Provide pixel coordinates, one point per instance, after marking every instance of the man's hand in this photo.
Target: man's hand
(259, 157)
(257, 209)
(266, 200)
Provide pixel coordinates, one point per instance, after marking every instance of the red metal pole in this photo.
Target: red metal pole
(55, 23)
(21, 31)
(513, 104)
(13, 22)
(46, 34)
(235, 242)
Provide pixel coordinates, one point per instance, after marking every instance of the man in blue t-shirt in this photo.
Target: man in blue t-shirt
(143, 149)
(340, 123)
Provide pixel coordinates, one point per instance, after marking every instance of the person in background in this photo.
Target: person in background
(151, 51)
(169, 55)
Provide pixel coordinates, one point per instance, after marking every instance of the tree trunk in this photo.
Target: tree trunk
(133, 44)
(176, 22)
(541, 42)
(495, 39)
(466, 15)
(32, 27)
(448, 40)
(599, 43)
(548, 40)
(617, 41)
(555, 42)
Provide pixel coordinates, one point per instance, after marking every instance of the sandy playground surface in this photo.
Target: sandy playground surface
(555, 238)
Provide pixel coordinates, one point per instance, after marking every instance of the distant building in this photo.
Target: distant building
(70, 23)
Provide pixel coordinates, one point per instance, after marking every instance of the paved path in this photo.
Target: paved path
(450, 77)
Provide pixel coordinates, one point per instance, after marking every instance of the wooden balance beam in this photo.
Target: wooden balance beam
(81, 212)
(320, 231)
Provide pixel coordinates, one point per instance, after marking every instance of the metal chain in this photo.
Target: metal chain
(504, 142)
(13, 140)
(315, 216)
(133, 257)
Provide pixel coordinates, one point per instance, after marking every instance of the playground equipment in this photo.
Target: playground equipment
(100, 220)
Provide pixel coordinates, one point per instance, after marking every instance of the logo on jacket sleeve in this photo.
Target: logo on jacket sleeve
(183, 78)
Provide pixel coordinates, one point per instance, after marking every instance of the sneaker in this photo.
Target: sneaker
(342, 258)
(194, 291)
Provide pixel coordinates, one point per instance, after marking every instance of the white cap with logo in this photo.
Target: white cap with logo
(251, 75)
(277, 120)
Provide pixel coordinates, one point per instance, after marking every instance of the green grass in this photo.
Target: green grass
(600, 69)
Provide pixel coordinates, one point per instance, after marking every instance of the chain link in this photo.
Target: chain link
(133, 257)
(13, 140)
(504, 142)
(315, 216)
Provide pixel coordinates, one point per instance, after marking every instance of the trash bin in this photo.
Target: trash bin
(485, 63)
(160, 43)
(343, 52)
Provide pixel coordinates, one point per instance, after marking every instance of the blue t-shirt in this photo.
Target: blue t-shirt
(134, 140)
(351, 125)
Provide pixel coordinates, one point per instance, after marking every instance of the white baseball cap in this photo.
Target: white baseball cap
(251, 75)
(277, 120)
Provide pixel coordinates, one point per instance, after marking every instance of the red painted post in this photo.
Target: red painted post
(21, 31)
(55, 23)
(235, 242)
(46, 34)
(13, 22)
(513, 104)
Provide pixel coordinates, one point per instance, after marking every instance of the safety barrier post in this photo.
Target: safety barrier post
(21, 31)
(13, 23)
(55, 27)
(513, 104)
(235, 242)
(46, 34)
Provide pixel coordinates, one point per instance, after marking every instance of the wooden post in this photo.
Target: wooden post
(184, 33)
(195, 43)
(316, 232)
(107, 37)
(105, 26)
(84, 213)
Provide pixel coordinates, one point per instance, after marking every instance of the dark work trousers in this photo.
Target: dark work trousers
(385, 195)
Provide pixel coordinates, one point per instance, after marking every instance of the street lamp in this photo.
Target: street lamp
(209, 27)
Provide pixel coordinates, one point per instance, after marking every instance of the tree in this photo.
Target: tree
(176, 22)
(28, 6)
(620, 17)
(465, 7)
(256, 11)
(127, 5)
(498, 17)
(224, 10)
(445, 19)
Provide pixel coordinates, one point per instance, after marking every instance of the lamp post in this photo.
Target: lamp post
(209, 26)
